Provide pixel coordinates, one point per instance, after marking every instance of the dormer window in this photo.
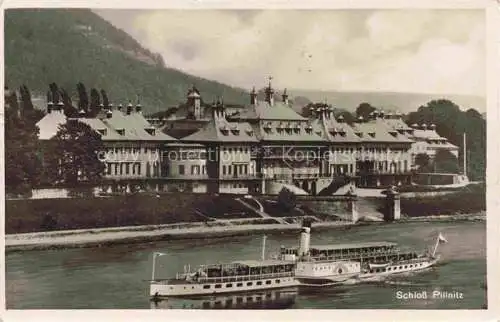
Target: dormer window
(151, 130)
(394, 133)
(235, 130)
(249, 132)
(297, 128)
(224, 130)
(342, 132)
(102, 131)
(372, 134)
(359, 134)
(309, 128)
(121, 131)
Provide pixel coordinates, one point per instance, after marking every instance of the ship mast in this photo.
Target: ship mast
(465, 154)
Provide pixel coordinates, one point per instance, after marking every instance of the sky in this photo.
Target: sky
(415, 51)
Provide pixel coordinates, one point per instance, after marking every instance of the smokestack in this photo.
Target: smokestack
(263, 255)
(305, 238)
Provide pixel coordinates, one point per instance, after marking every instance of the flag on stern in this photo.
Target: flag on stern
(441, 238)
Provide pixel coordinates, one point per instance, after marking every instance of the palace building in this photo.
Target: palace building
(255, 149)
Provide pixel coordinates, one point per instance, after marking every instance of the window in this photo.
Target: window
(245, 169)
(249, 284)
(127, 168)
(268, 282)
(181, 169)
(206, 287)
(217, 285)
(229, 285)
(229, 169)
(204, 169)
(108, 168)
(277, 281)
(259, 283)
(138, 168)
(239, 285)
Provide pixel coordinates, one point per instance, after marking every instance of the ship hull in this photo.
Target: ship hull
(164, 289)
(397, 268)
(265, 299)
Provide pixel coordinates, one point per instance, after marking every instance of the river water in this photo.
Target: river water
(114, 277)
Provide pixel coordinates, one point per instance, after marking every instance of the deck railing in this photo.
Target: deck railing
(238, 278)
(360, 255)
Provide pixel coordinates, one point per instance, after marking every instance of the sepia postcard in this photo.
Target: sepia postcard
(186, 160)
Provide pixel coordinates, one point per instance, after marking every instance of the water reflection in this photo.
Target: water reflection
(269, 299)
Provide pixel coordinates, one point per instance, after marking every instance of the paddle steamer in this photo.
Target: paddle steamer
(340, 263)
(214, 279)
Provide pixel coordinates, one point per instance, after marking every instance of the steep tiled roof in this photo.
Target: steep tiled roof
(378, 131)
(218, 129)
(264, 111)
(49, 124)
(335, 131)
(135, 127)
(289, 131)
(118, 127)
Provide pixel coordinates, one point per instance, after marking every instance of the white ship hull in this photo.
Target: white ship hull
(397, 268)
(164, 289)
(265, 299)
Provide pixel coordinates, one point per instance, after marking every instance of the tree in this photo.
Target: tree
(11, 100)
(423, 161)
(445, 162)
(287, 200)
(364, 110)
(26, 103)
(105, 100)
(74, 157)
(95, 102)
(452, 123)
(69, 109)
(23, 167)
(54, 90)
(83, 99)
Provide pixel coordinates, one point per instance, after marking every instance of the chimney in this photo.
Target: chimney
(253, 96)
(285, 97)
(340, 119)
(138, 107)
(129, 108)
(120, 107)
(60, 106)
(109, 114)
(50, 107)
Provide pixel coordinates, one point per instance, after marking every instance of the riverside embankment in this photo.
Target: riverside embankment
(150, 233)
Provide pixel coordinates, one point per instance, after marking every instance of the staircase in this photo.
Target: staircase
(260, 213)
(337, 183)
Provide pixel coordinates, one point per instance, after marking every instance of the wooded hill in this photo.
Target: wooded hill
(68, 46)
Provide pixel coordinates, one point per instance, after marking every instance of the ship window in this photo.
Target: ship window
(268, 294)
(239, 285)
(217, 285)
(389, 269)
(249, 284)
(259, 283)
(277, 281)
(268, 282)
(206, 286)
(400, 267)
(229, 285)
(411, 266)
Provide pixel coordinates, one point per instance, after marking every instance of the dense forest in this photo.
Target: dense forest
(43, 46)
